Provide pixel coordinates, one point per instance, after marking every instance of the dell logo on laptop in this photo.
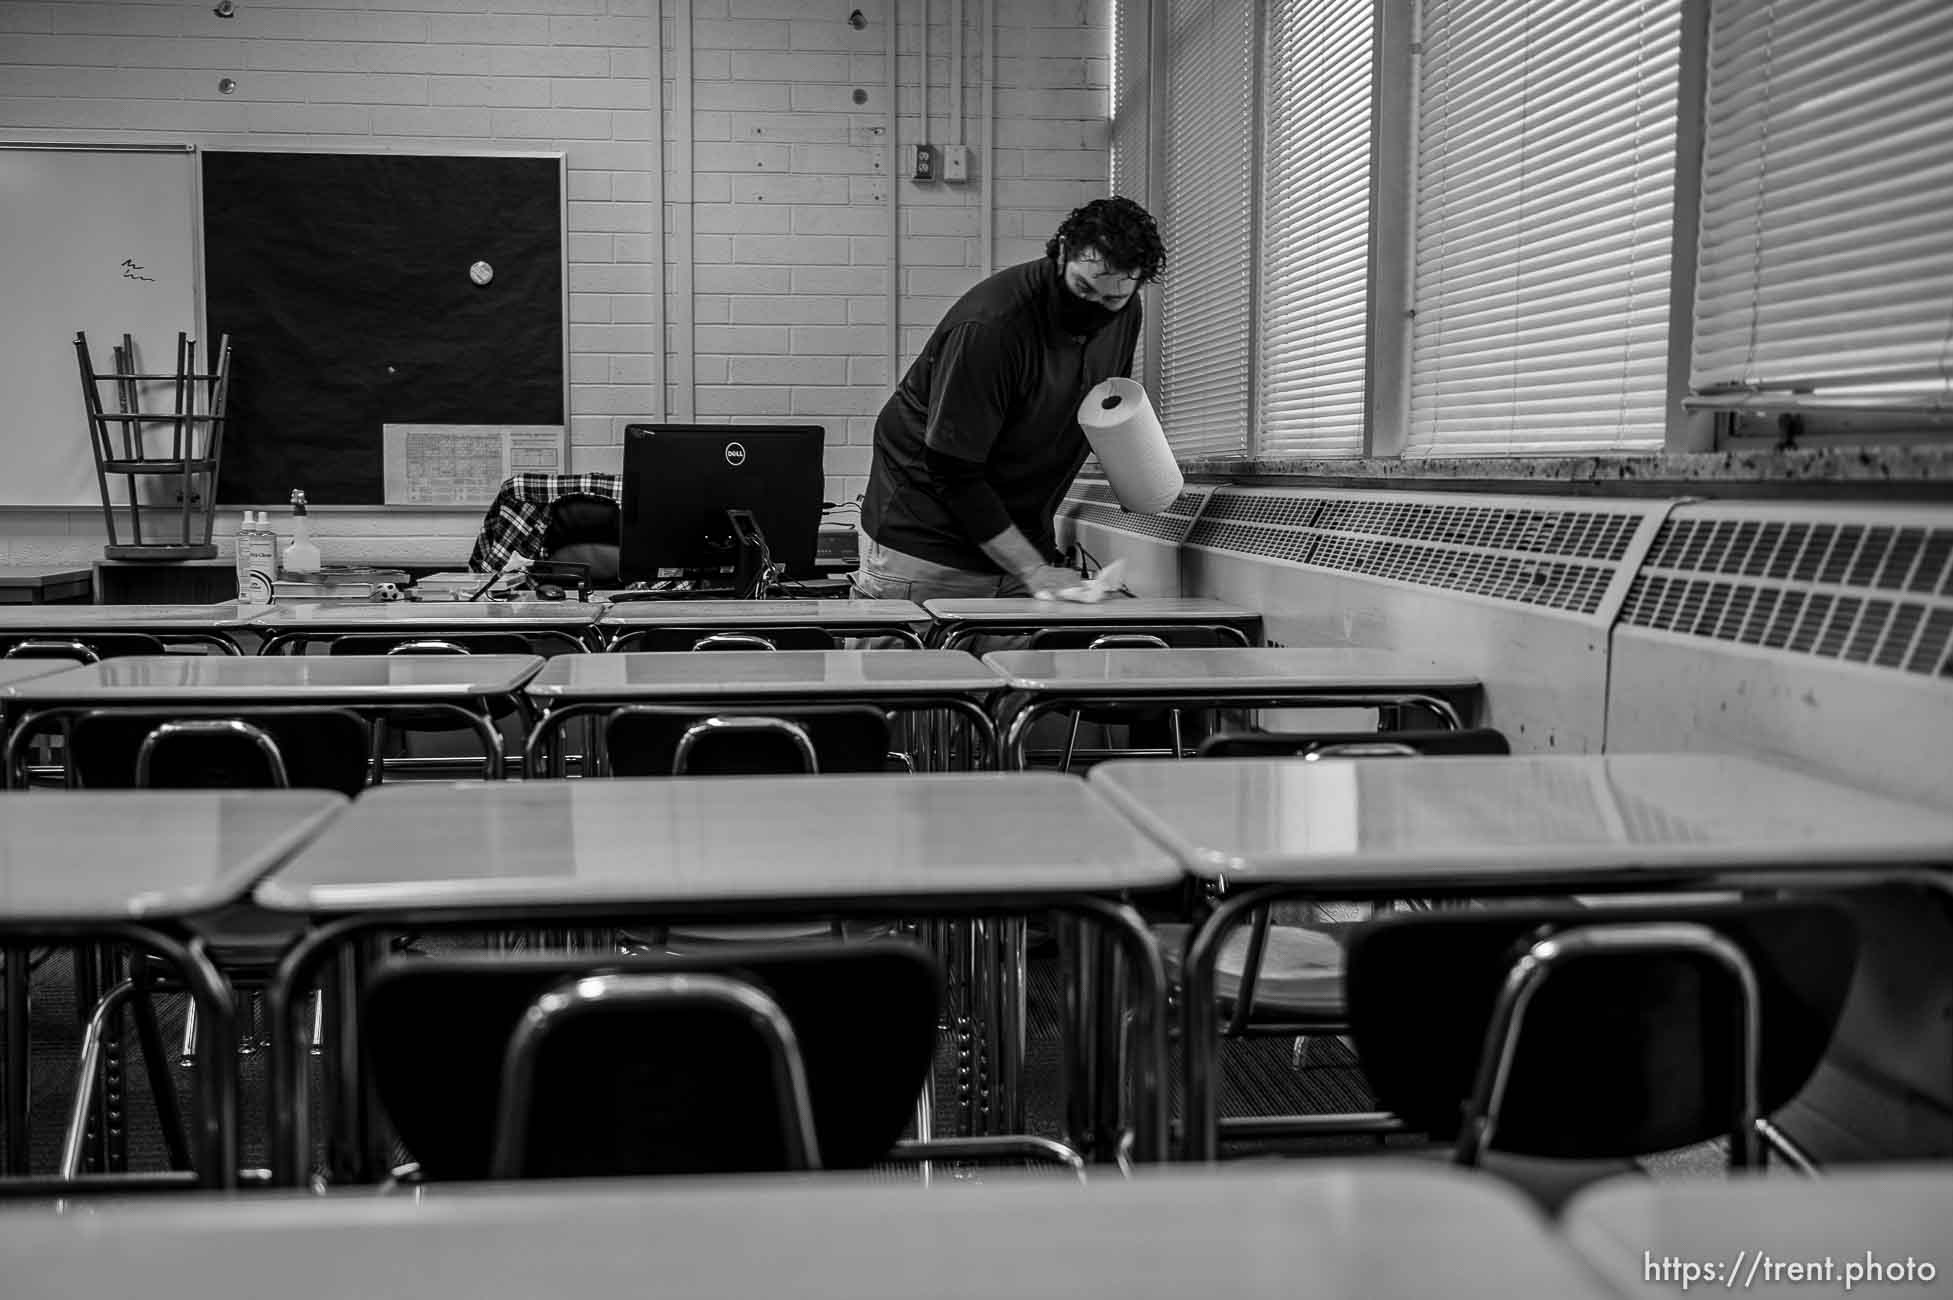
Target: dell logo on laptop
(735, 453)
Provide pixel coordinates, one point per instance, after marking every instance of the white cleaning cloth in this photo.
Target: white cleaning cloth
(1109, 581)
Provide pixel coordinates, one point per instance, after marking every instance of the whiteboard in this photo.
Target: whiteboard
(101, 239)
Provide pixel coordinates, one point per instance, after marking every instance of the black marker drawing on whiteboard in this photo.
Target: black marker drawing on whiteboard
(130, 271)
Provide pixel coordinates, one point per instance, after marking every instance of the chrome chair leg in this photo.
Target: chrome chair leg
(187, 1057)
(93, 1044)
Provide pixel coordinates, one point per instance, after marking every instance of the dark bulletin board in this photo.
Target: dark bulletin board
(343, 282)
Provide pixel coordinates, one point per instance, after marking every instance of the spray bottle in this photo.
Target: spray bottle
(301, 557)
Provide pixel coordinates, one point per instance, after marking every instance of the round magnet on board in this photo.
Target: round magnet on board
(481, 273)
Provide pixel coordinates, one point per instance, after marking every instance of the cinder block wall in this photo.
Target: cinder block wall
(777, 256)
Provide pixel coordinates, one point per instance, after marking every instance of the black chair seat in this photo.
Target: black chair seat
(643, 740)
(724, 638)
(1617, 1057)
(321, 749)
(640, 1095)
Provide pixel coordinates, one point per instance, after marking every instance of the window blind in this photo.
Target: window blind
(1825, 261)
(1205, 362)
(1315, 227)
(1544, 189)
(1131, 82)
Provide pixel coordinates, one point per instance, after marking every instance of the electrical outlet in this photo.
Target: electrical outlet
(923, 160)
(956, 163)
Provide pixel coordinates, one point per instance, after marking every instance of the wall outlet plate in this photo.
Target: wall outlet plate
(923, 162)
(956, 162)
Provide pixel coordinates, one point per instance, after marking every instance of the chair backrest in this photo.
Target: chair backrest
(1616, 1057)
(82, 647)
(583, 532)
(465, 643)
(723, 638)
(678, 740)
(644, 1088)
(324, 749)
(1351, 744)
(1134, 636)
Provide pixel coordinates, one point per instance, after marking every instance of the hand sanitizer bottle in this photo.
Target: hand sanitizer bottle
(301, 556)
(257, 559)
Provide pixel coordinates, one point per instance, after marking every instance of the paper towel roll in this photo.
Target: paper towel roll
(1119, 422)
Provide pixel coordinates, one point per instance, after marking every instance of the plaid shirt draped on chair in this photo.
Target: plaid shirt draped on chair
(519, 515)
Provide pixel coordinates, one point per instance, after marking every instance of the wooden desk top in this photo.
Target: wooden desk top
(695, 674)
(422, 615)
(1331, 1232)
(1490, 820)
(128, 618)
(690, 839)
(102, 855)
(1026, 610)
(1757, 1228)
(762, 613)
(1234, 668)
(278, 679)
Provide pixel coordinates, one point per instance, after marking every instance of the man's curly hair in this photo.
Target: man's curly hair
(1123, 232)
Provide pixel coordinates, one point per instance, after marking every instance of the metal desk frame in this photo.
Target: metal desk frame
(30, 718)
(347, 1158)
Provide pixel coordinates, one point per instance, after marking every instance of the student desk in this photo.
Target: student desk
(19, 670)
(554, 626)
(1042, 681)
(949, 681)
(205, 625)
(201, 685)
(1432, 827)
(25, 585)
(695, 850)
(1877, 1231)
(961, 621)
(1337, 1232)
(138, 867)
(840, 618)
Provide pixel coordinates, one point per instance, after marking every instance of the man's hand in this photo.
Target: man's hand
(1049, 580)
(1015, 554)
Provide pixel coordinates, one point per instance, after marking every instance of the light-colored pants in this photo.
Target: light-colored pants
(894, 575)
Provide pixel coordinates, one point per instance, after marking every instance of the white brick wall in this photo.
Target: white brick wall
(786, 284)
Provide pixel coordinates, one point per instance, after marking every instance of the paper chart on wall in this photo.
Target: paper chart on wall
(464, 464)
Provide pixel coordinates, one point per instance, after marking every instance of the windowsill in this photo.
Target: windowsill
(1913, 472)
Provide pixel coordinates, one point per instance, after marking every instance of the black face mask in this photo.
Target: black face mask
(1074, 315)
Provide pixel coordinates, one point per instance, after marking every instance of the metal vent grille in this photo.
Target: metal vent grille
(1566, 534)
(1877, 593)
(1092, 501)
(1558, 558)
